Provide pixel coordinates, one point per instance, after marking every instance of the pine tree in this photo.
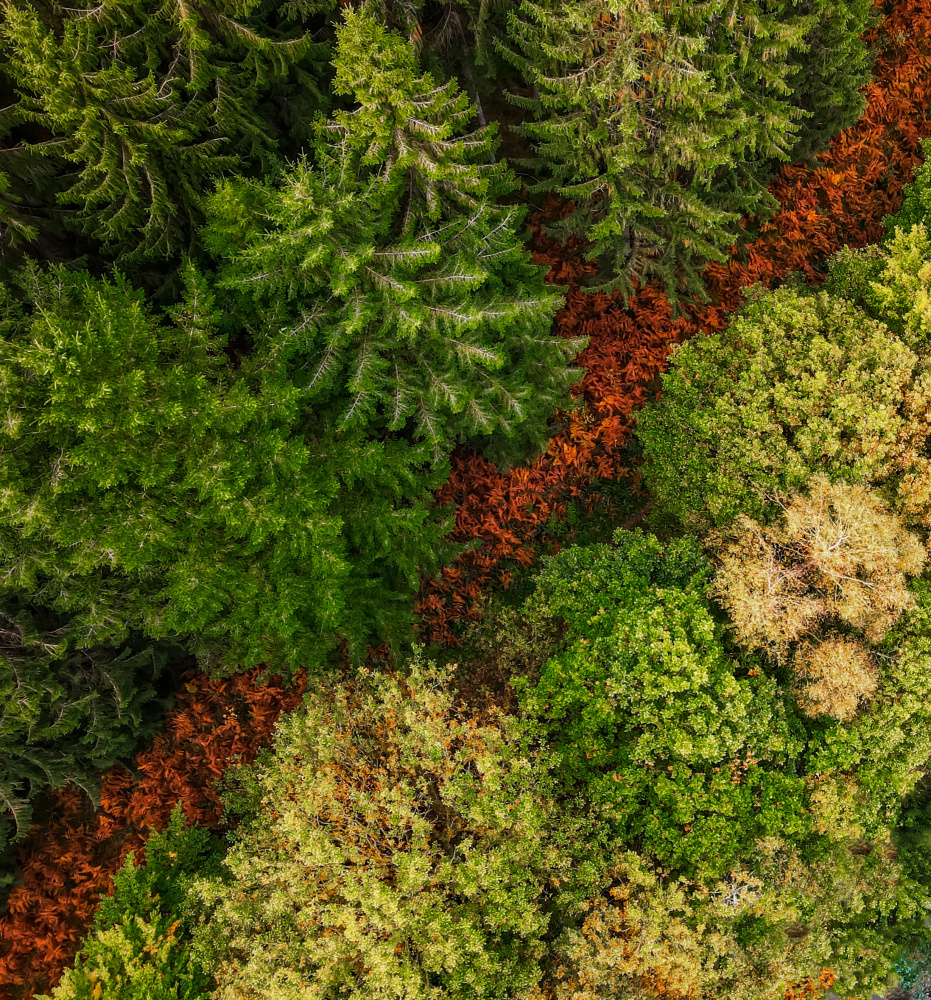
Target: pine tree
(388, 278)
(646, 116)
(150, 103)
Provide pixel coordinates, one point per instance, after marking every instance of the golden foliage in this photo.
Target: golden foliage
(837, 556)
(839, 674)
(838, 553)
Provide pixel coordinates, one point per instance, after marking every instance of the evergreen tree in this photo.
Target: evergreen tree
(388, 280)
(69, 714)
(29, 216)
(145, 486)
(151, 102)
(830, 71)
(647, 115)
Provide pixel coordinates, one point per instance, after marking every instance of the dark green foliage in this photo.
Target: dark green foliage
(151, 103)
(386, 281)
(69, 714)
(797, 384)
(829, 73)
(146, 486)
(680, 750)
(619, 92)
(139, 946)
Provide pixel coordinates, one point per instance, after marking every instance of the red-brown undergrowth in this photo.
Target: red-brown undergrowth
(68, 863)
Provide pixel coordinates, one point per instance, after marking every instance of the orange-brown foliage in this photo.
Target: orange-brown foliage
(68, 863)
(859, 180)
(808, 988)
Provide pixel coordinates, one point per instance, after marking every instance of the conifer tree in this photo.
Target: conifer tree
(830, 71)
(647, 115)
(146, 486)
(69, 714)
(388, 279)
(150, 103)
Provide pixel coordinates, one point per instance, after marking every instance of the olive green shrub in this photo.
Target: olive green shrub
(396, 849)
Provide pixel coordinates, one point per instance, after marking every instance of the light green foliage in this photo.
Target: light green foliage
(680, 750)
(146, 486)
(68, 714)
(650, 116)
(891, 282)
(397, 849)
(797, 384)
(386, 281)
(139, 946)
(151, 102)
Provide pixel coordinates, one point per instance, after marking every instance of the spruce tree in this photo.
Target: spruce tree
(150, 103)
(387, 279)
(68, 713)
(830, 72)
(146, 486)
(646, 116)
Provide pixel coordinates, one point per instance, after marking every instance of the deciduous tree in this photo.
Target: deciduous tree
(679, 748)
(393, 847)
(797, 384)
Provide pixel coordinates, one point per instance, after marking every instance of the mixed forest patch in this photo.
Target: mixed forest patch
(465, 500)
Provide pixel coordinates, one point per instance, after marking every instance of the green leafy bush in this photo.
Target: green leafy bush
(796, 384)
(679, 748)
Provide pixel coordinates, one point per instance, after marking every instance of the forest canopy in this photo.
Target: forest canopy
(276, 279)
